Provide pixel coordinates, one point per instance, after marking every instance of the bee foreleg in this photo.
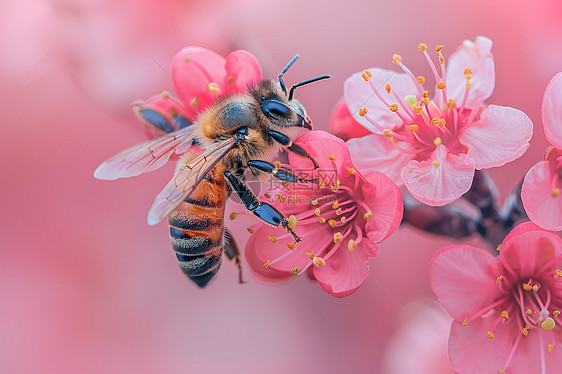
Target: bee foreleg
(263, 211)
(283, 173)
(286, 141)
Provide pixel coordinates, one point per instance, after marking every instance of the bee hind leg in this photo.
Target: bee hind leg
(232, 252)
(263, 211)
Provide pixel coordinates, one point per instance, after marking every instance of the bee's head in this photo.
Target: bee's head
(278, 106)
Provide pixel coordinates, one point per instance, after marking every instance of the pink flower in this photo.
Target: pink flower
(542, 184)
(434, 145)
(505, 309)
(341, 220)
(200, 76)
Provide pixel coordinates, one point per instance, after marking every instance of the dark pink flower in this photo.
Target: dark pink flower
(542, 184)
(434, 145)
(200, 76)
(506, 309)
(341, 220)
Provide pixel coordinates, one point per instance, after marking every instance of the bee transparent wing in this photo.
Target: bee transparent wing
(186, 179)
(146, 156)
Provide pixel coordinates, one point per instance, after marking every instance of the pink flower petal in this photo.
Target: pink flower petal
(358, 94)
(463, 277)
(478, 56)
(501, 135)
(346, 271)
(321, 145)
(441, 179)
(529, 250)
(342, 123)
(552, 111)
(243, 70)
(385, 200)
(538, 201)
(193, 68)
(376, 153)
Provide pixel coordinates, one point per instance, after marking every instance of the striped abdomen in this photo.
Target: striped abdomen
(196, 229)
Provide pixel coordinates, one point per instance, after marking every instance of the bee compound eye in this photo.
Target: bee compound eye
(277, 108)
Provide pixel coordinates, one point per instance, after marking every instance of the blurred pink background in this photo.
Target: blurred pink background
(87, 287)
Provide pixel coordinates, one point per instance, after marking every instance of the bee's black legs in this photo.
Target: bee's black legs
(286, 141)
(231, 250)
(279, 172)
(263, 211)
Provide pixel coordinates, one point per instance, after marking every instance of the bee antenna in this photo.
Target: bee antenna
(312, 80)
(280, 76)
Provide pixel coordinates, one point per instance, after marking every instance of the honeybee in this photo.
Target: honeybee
(234, 132)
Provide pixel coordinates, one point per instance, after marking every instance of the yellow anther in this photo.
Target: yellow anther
(322, 185)
(436, 163)
(294, 271)
(294, 199)
(442, 122)
(396, 59)
(504, 314)
(528, 327)
(435, 121)
(498, 279)
(266, 264)
(214, 87)
(555, 192)
(410, 99)
(420, 79)
(233, 216)
(467, 71)
(425, 101)
(425, 94)
(441, 58)
(527, 287)
(468, 77)
(437, 141)
(367, 216)
(322, 220)
(332, 223)
(332, 158)
(416, 109)
(413, 127)
(272, 238)
(350, 171)
(277, 164)
(362, 112)
(165, 94)
(291, 246)
(451, 104)
(280, 198)
(250, 230)
(467, 84)
(388, 133)
(558, 272)
(309, 254)
(499, 247)
(266, 195)
(292, 221)
(343, 219)
(550, 347)
(422, 47)
(335, 205)
(556, 313)
(367, 75)
(338, 237)
(317, 212)
(314, 202)
(529, 312)
(465, 322)
(535, 287)
(318, 261)
(387, 88)
(548, 324)
(336, 185)
(351, 245)
(501, 371)
(393, 108)
(490, 335)
(338, 212)
(441, 85)
(193, 102)
(439, 47)
(285, 184)
(525, 331)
